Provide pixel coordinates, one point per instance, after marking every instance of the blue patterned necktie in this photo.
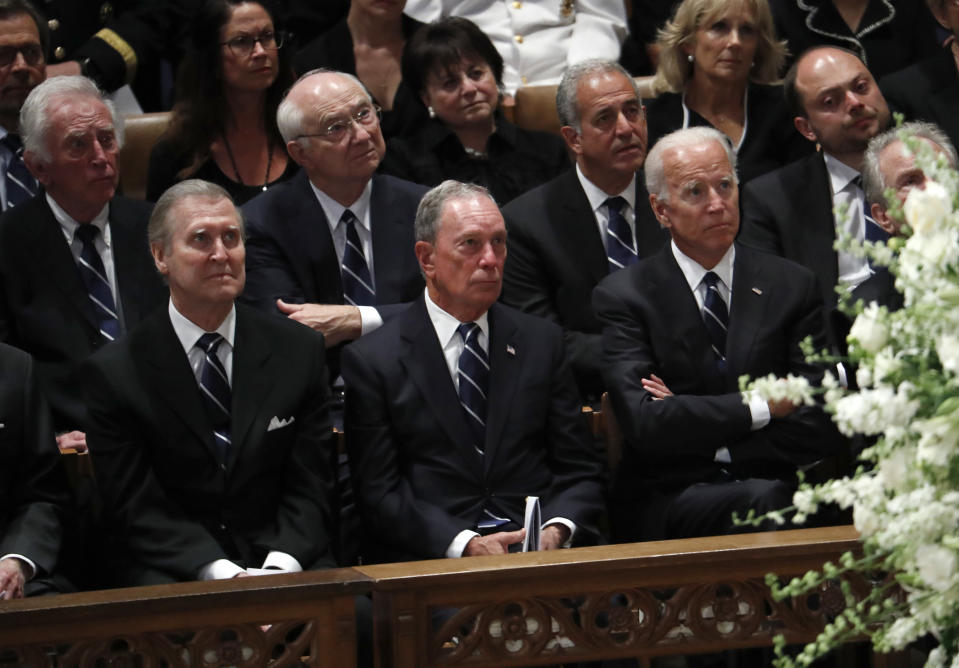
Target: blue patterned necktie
(358, 286)
(620, 249)
(215, 389)
(20, 183)
(872, 230)
(716, 318)
(473, 373)
(95, 279)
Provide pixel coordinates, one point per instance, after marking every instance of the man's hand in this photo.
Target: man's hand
(656, 387)
(495, 543)
(553, 536)
(337, 322)
(72, 441)
(781, 408)
(13, 575)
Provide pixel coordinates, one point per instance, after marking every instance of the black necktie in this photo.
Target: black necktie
(215, 389)
(473, 372)
(20, 183)
(872, 231)
(620, 249)
(716, 318)
(95, 279)
(358, 286)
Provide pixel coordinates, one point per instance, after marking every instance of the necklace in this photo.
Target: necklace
(236, 172)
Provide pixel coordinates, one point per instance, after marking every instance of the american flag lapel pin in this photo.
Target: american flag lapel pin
(510, 350)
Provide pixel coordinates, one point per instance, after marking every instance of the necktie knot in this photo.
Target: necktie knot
(209, 342)
(87, 233)
(711, 279)
(467, 330)
(616, 204)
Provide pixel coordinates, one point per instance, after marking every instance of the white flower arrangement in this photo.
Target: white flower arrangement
(905, 496)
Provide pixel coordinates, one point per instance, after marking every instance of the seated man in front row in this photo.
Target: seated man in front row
(679, 330)
(460, 407)
(210, 420)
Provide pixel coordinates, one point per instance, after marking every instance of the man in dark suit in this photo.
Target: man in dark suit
(460, 407)
(680, 328)
(75, 270)
(562, 240)
(209, 422)
(331, 247)
(33, 489)
(789, 211)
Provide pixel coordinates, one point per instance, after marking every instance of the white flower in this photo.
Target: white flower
(937, 566)
(925, 209)
(894, 469)
(870, 330)
(938, 440)
(866, 521)
(947, 347)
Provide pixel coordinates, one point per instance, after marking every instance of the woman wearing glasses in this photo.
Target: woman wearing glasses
(224, 121)
(458, 72)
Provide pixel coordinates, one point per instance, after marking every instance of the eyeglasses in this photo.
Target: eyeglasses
(242, 46)
(32, 54)
(339, 128)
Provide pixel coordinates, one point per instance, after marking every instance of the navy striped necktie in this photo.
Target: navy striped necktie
(94, 277)
(20, 183)
(215, 388)
(473, 372)
(716, 318)
(358, 286)
(620, 248)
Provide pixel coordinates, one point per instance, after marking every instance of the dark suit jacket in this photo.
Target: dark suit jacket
(771, 140)
(788, 213)
(652, 325)
(556, 257)
(418, 480)
(173, 506)
(927, 91)
(44, 306)
(33, 488)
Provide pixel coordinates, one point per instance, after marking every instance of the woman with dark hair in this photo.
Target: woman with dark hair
(224, 121)
(719, 63)
(457, 72)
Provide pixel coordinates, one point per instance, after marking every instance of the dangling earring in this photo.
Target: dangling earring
(689, 57)
(431, 112)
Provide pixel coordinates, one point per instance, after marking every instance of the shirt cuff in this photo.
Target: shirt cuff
(758, 410)
(722, 456)
(566, 523)
(459, 543)
(370, 319)
(221, 569)
(282, 561)
(31, 567)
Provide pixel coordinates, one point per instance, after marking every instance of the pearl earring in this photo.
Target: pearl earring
(431, 112)
(689, 57)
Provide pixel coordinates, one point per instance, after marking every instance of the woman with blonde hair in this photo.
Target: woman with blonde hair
(719, 66)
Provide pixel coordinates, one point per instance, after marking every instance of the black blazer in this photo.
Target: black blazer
(556, 257)
(171, 504)
(44, 306)
(33, 488)
(652, 324)
(788, 212)
(418, 480)
(927, 91)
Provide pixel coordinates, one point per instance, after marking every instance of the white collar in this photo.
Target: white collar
(694, 272)
(597, 196)
(69, 225)
(840, 174)
(189, 332)
(445, 324)
(334, 210)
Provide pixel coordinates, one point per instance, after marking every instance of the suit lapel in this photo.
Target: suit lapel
(650, 235)
(579, 225)
(252, 381)
(751, 294)
(422, 356)
(129, 263)
(819, 226)
(506, 355)
(388, 228)
(308, 229)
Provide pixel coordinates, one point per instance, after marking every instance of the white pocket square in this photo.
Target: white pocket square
(277, 423)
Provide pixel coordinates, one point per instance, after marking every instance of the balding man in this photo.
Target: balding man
(332, 247)
(680, 328)
(209, 422)
(789, 211)
(75, 269)
(568, 234)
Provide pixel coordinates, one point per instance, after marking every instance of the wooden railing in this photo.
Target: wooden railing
(642, 599)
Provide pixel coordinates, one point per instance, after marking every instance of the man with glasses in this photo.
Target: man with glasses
(332, 247)
(23, 42)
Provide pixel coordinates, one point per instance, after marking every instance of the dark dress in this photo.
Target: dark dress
(166, 161)
(927, 91)
(333, 50)
(892, 33)
(516, 160)
(770, 140)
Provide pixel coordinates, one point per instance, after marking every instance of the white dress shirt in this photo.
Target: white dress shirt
(853, 270)
(452, 344)
(188, 333)
(369, 317)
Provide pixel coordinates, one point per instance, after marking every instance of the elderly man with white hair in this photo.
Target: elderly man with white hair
(680, 328)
